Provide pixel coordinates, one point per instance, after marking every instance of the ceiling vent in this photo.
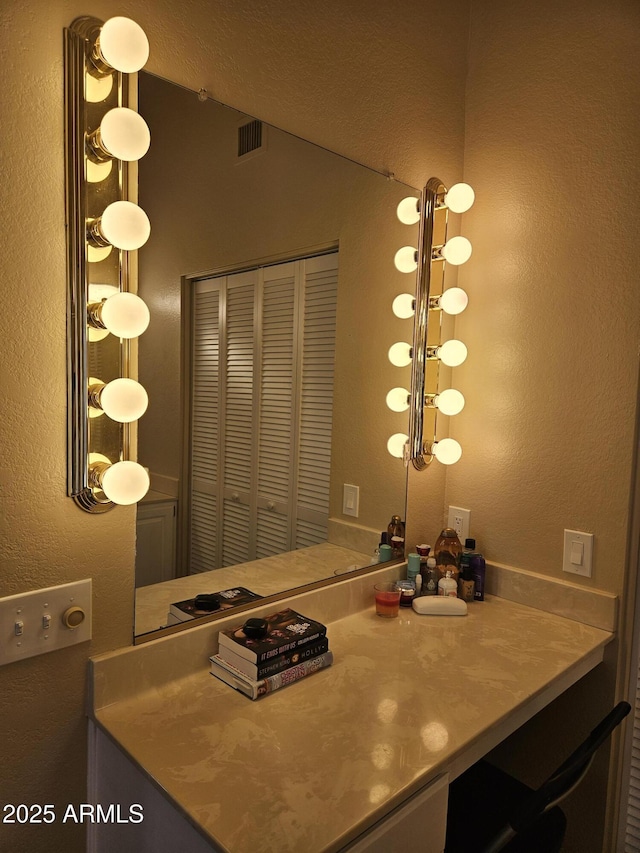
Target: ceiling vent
(250, 138)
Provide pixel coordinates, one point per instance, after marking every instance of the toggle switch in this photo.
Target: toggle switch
(18, 628)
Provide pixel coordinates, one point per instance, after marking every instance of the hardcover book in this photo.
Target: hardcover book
(254, 689)
(286, 630)
(256, 671)
(183, 611)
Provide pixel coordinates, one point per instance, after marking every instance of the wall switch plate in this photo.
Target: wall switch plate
(32, 623)
(350, 499)
(577, 555)
(460, 520)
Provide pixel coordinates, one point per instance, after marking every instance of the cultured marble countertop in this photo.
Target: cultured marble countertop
(311, 766)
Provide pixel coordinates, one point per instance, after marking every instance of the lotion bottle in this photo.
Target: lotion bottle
(447, 586)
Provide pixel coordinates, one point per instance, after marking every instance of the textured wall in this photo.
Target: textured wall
(354, 76)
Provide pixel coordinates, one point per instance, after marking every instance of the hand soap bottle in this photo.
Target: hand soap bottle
(447, 553)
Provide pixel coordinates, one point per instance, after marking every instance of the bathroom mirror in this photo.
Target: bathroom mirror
(270, 279)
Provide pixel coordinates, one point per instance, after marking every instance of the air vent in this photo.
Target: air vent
(249, 137)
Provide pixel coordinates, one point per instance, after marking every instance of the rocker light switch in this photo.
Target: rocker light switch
(578, 553)
(350, 499)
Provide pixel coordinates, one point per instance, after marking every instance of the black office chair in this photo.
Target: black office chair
(490, 811)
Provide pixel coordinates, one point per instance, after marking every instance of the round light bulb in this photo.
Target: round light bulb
(447, 451)
(400, 354)
(408, 212)
(457, 250)
(125, 483)
(452, 353)
(124, 134)
(124, 400)
(454, 300)
(450, 401)
(125, 315)
(403, 306)
(396, 444)
(459, 198)
(405, 259)
(123, 45)
(398, 399)
(125, 225)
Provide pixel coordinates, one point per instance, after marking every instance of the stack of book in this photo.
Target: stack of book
(293, 647)
(184, 611)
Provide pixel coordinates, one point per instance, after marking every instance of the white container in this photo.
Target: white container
(447, 586)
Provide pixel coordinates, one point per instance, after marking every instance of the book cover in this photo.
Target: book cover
(183, 611)
(223, 670)
(256, 671)
(286, 630)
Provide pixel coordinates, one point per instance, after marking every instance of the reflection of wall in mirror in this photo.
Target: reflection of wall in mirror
(211, 211)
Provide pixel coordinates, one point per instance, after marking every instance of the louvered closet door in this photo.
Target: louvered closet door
(205, 427)
(263, 353)
(320, 277)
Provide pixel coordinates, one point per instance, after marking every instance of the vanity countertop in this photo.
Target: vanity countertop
(313, 765)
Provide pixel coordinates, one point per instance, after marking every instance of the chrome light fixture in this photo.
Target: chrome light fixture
(427, 351)
(103, 136)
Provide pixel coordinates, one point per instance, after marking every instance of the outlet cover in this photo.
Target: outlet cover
(460, 520)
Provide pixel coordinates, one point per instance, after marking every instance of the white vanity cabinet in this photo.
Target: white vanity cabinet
(156, 541)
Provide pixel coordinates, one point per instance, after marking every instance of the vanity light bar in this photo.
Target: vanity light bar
(428, 347)
(102, 136)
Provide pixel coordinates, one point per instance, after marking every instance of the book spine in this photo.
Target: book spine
(277, 664)
(254, 689)
(289, 647)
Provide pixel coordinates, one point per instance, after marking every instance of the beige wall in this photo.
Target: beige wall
(551, 138)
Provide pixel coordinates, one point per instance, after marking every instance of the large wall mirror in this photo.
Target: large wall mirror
(270, 278)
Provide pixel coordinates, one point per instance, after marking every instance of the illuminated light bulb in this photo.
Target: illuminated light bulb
(123, 400)
(447, 451)
(400, 354)
(459, 198)
(123, 45)
(125, 315)
(408, 211)
(124, 483)
(457, 250)
(396, 444)
(125, 225)
(405, 259)
(122, 134)
(452, 353)
(404, 306)
(398, 399)
(453, 301)
(97, 293)
(450, 401)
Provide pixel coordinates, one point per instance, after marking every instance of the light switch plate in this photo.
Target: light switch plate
(31, 623)
(350, 499)
(577, 558)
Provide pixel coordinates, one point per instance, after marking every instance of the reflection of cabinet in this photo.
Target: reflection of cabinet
(155, 542)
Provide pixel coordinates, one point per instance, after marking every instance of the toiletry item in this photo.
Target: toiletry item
(430, 577)
(478, 568)
(418, 585)
(469, 544)
(466, 584)
(423, 550)
(395, 535)
(440, 605)
(413, 566)
(447, 586)
(407, 592)
(385, 553)
(447, 553)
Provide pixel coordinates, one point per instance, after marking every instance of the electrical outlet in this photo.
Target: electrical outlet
(460, 520)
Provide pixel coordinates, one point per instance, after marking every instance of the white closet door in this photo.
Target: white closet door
(316, 400)
(263, 356)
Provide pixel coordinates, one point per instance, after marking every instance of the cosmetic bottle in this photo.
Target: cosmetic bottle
(395, 536)
(447, 553)
(384, 553)
(466, 584)
(447, 586)
(430, 577)
(478, 569)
